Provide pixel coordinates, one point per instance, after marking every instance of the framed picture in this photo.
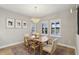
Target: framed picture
(24, 24)
(10, 23)
(18, 23)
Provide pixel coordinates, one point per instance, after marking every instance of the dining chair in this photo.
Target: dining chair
(26, 41)
(43, 43)
(34, 46)
(44, 38)
(50, 47)
(37, 35)
(26, 38)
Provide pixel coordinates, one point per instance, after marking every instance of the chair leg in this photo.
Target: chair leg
(41, 47)
(34, 51)
(50, 53)
(41, 52)
(28, 50)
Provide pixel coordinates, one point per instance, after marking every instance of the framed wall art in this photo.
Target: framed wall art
(24, 24)
(18, 24)
(10, 23)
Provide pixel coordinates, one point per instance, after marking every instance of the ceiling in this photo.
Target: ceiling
(36, 10)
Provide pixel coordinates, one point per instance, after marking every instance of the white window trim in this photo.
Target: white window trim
(33, 25)
(45, 34)
(60, 28)
(41, 27)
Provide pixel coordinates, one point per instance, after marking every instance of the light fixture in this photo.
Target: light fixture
(71, 10)
(35, 19)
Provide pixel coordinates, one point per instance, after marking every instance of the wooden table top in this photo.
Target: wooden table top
(39, 39)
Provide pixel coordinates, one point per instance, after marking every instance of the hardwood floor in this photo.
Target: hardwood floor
(22, 50)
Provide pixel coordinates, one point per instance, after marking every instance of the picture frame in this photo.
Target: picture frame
(24, 24)
(10, 23)
(18, 24)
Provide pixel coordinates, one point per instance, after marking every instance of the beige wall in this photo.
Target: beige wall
(68, 26)
(9, 36)
(77, 49)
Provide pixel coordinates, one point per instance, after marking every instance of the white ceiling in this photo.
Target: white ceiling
(41, 10)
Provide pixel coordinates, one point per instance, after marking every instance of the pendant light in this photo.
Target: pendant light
(35, 20)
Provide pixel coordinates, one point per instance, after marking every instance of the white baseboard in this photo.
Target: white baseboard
(10, 44)
(66, 45)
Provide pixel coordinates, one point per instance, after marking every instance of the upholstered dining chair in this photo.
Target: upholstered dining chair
(50, 47)
(43, 43)
(34, 46)
(44, 38)
(26, 37)
(37, 35)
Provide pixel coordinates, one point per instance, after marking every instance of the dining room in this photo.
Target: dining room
(38, 29)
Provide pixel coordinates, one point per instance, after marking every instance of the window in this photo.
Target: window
(33, 28)
(55, 28)
(44, 28)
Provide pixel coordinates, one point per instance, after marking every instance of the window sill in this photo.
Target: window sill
(57, 36)
(44, 34)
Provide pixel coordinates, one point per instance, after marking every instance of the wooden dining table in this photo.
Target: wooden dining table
(40, 40)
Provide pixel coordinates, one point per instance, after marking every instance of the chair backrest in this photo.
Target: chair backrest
(33, 36)
(44, 38)
(50, 41)
(37, 34)
(53, 47)
(26, 37)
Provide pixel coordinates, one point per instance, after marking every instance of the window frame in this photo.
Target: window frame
(54, 21)
(46, 26)
(33, 29)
